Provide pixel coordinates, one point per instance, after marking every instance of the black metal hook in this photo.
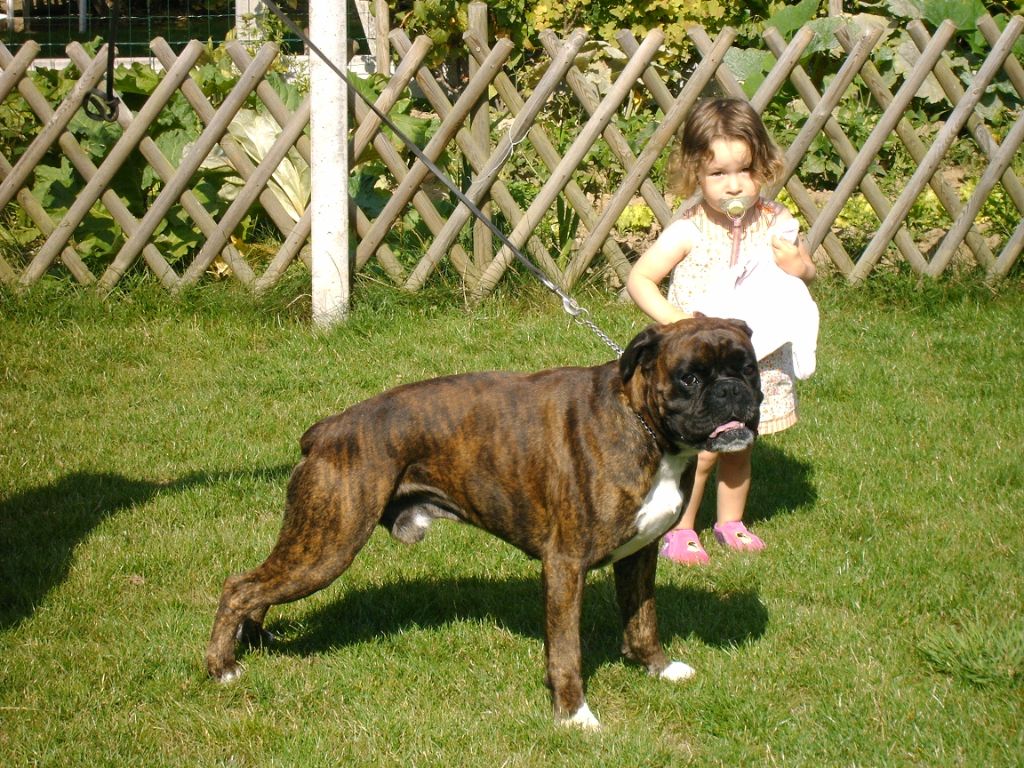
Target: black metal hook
(97, 104)
(101, 106)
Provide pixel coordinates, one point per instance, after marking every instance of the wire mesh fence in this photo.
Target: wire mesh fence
(55, 23)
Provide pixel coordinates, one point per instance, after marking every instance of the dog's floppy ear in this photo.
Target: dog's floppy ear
(643, 346)
(743, 327)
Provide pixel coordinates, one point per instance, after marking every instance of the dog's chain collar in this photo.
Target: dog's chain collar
(646, 427)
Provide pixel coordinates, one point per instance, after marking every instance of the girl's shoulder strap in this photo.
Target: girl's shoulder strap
(772, 210)
(771, 207)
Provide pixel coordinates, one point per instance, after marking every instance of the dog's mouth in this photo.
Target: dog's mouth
(730, 437)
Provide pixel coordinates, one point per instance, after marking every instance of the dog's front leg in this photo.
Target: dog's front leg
(634, 588)
(563, 600)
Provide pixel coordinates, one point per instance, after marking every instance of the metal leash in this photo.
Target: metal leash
(569, 305)
(97, 104)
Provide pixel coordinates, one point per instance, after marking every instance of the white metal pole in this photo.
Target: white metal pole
(329, 164)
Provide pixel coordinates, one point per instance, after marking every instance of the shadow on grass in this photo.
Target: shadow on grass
(40, 528)
(780, 484)
(390, 610)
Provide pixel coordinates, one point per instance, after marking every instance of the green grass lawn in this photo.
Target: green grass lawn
(145, 444)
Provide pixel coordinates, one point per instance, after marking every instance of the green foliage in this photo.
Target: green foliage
(56, 183)
(635, 217)
(749, 59)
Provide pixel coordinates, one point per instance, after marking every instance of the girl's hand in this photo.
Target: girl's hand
(793, 258)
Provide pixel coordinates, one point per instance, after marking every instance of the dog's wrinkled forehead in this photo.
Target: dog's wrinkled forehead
(699, 341)
(722, 347)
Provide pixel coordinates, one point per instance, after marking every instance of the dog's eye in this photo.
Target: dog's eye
(689, 380)
(749, 370)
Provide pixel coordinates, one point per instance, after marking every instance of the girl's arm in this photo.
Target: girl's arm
(792, 257)
(650, 269)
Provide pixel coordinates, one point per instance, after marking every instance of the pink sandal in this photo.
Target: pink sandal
(736, 536)
(682, 546)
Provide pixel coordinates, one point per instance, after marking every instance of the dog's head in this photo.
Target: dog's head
(695, 382)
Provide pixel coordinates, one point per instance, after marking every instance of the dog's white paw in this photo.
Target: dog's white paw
(677, 671)
(583, 718)
(230, 675)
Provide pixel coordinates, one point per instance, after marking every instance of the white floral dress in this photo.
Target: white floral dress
(708, 260)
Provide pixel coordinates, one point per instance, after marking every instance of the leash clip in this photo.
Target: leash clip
(571, 307)
(101, 106)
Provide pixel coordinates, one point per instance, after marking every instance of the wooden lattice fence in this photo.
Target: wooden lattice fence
(493, 121)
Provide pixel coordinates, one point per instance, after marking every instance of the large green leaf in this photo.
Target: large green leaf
(963, 13)
(791, 17)
(749, 67)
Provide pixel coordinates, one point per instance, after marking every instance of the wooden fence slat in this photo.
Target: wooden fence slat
(98, 179)
(369, 132)
(945, 193)
(299, 232)
(35, 211)
(174, 189)
(247, 196)
(1011, 65)
(15, 67)
(560, 62)
(857, 170)
(1011, 251)
(833, 131)
(548, 155)
(163, 167)
(370, 124)
(785, 62)
(14, 70)
(480, 127)
(381, 21)
(822, 111)
(1000, 162)
(436, 146)
(662, 136)
(837, 137)
(587, 95)
(943, 141)
(954, 91)
(559, 177)
(52, 129)
(232, 151)
(476, 156)
(391, 158)
(784, 57)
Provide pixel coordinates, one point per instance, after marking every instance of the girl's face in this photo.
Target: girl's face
(727, 174)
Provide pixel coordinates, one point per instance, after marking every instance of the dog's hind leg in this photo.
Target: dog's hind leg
(324, 528)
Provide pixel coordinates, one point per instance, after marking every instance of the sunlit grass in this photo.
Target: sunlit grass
(146, 443)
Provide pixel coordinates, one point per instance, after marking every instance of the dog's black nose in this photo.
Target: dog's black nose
(729, 391)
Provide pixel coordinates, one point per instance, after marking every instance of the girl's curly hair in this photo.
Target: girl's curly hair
(713, 119)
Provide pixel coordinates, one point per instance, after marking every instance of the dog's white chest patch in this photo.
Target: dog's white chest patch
(661, 506)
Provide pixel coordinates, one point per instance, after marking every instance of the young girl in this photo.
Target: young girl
(732, 254)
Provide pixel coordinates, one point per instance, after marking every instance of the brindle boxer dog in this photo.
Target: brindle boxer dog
(577, 467)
